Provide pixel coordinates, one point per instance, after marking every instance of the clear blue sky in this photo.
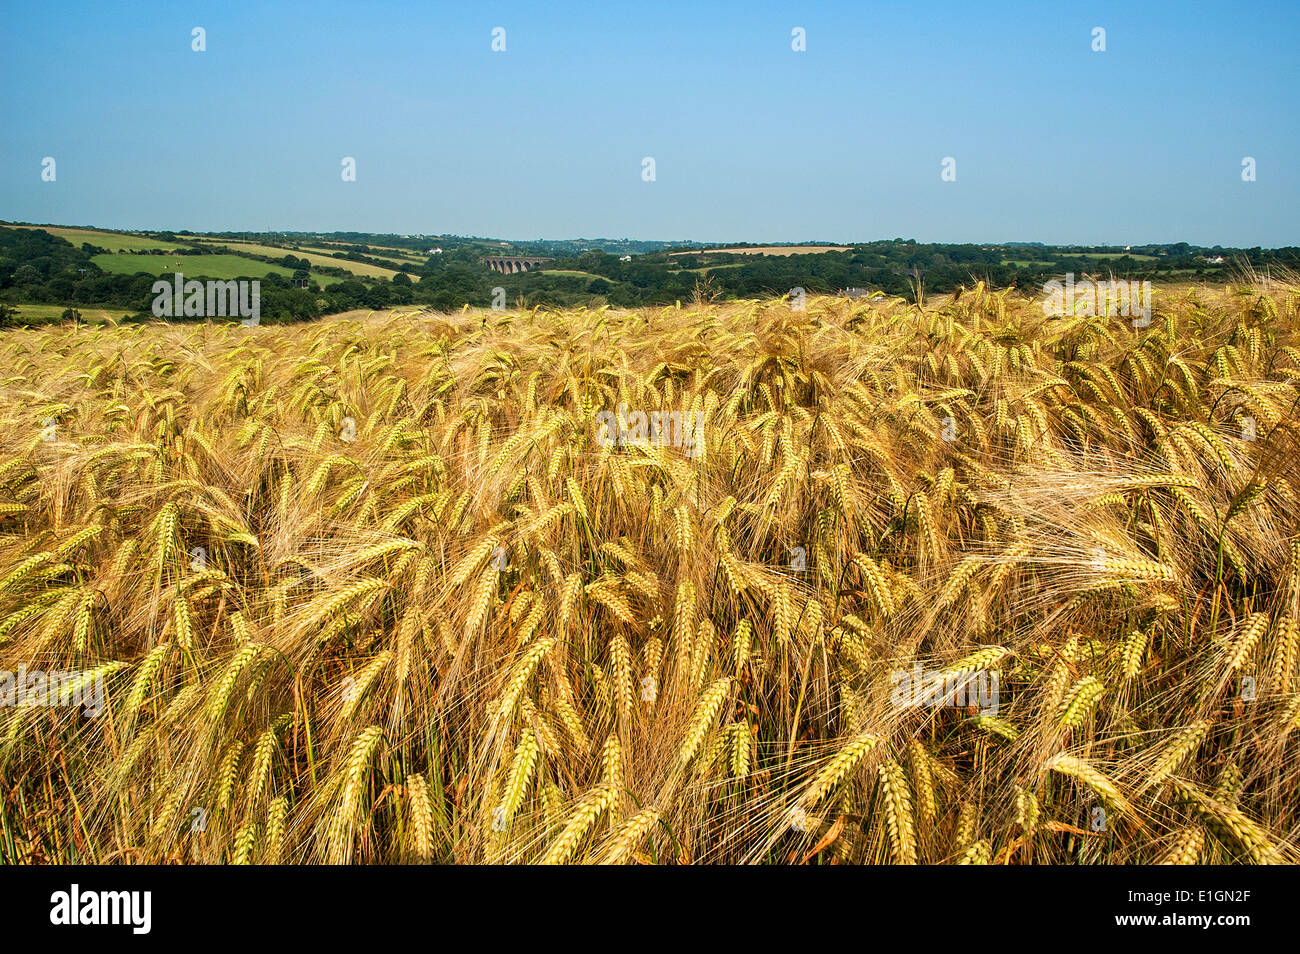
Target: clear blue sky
(752, 141)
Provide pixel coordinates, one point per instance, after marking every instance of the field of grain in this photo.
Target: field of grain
(113, 241)
(378, 251)
(398, 257)
(381, 589)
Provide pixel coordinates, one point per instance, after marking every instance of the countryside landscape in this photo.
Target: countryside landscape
(323, 546)
(48, 269)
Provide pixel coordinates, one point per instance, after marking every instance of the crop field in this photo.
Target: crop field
(113, 241)
(395, 588)
(398, 256)
(273, 251)
(391, 251)
(327, 256)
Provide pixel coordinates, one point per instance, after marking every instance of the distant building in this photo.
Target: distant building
(434, 251)
(625, 258)
(853, 292)
(1217, 260)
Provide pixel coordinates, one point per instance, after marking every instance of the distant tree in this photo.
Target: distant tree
(8, 316)
(377, 297)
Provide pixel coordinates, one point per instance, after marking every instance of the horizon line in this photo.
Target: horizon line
(581, 238)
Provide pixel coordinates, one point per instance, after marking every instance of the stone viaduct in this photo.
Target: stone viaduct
(513, 263)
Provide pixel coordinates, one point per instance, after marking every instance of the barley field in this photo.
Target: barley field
(375, 589)
(113, 241)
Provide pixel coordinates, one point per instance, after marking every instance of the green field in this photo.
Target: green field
(194, 266)
(1098, 256)
(92, 314)
(274, 251)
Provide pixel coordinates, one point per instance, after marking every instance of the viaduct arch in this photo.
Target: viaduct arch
(509, 264)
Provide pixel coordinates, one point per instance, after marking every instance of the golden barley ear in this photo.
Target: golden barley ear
(897, 800)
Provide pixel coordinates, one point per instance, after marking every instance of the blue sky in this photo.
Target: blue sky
(752, 141)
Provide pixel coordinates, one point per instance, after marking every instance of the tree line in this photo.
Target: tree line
(37, 267)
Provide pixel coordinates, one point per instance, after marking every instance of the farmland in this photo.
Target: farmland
(206, 266)
(378, 251)
(772, 250)
(357, 268)
(40, 314)
(383, 588)
(112, 241)
(619, 273)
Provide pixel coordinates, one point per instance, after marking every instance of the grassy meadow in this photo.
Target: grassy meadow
(375, 589)
(207, 266)
(94, 314)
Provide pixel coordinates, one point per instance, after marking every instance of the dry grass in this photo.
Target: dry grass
(433, 619)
